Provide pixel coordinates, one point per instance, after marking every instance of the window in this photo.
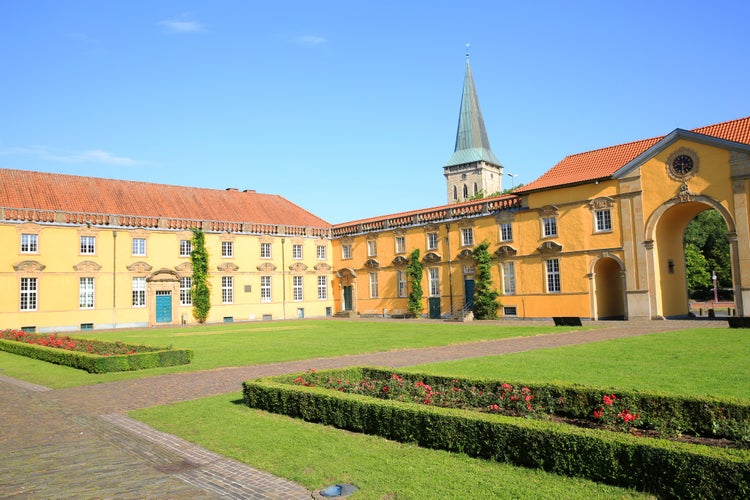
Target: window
(28, 294)
(373, 285)
(322, 288)
(549, 226)
(297, 251)
(186, 248)
(297, 288)
(467, 235)
(509, 278)
(88, 245)
(321, 251)
(432, 241)
(265, 250)
(139, 246)
(86, 293)
(29, 243)
(603, 220)
(265, 289)
(506, 231)
(466, 191)
(227, 249)
(372, 248)
(346, 251)
(227, 289)
(401, 278)
(553, 275)
(186, 285)
(455, 193)
(476, 189)
(434, 282)
(139, 292)
(400, 244)
(510, 311)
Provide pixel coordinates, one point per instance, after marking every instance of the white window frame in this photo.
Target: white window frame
(467, 236)
(29, 243)
(227, 289)
(346, 251)
(549, 227)
(227, 249)
(265, 250)
(86, 293)
(401, 279)
(265, 289)
(374, 286)
(509, 278)
(29, 294)
(186, 248)
(372, 248)
(432, 241)
(400, 242)
(603, 220)
(139, 292)
(506, 231)
(322, 287)
(297, 288)
(186, 288)
(434, 275)
(321, 252)
(88, 245)
(552, 275)
(138, 247)
(297, 251)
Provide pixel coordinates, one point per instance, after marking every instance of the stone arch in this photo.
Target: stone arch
(607, 284)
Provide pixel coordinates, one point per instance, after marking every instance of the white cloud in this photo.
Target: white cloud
(91, 156)
(310, 40)
(180, 26)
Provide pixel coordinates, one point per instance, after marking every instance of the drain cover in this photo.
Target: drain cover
(338, 490)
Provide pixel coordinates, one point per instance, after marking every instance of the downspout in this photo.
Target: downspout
(114, 279)
(283, 280)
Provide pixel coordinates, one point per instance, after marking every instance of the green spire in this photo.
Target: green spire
(472, 144)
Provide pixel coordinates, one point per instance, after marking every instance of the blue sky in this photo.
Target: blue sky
(349, 109)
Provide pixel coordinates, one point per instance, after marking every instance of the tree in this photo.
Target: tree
(707, 233)
(485, 297)
(698, 275)
(414, 271)
(200, 292)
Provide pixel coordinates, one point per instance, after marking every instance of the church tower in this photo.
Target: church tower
(473, 168)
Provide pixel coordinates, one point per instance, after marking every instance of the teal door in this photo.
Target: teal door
(434, 307)
(347, 298)
(468, 294)
(163, 307)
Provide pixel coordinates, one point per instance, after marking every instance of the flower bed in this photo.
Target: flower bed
(94, 356)
(359, 402)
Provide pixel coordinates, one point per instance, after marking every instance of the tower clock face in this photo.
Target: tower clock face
(682, 165)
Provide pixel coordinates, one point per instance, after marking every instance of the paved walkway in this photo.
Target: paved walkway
(78, 442)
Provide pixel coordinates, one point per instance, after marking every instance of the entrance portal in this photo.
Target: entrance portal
(609, 289)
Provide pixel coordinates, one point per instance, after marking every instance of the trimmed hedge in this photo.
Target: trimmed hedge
(665, 468)
(94, 363)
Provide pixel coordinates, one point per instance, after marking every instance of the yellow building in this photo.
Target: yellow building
(600, 235)
(84, 253)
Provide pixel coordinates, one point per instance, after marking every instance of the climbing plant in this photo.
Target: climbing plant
(200, 292)
(414, 271)
(485, 297)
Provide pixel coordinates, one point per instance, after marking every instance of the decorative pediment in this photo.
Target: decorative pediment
(372, 264)
(400, 261)
(87, 266)
(399, 232)
(601, 203)
(163, 275)
(504, 217)
(227, 267)
(505, 251)
(684, 195)
(139, 267)
(298, 267)
(185, 268)
(322, 268)
(548, 210)
(431, 228)
(466, 223)
(266, 267)
(431, 258)
(550, 247)
(29, 266)
(466, 254)
(347, 240)
(346, 273)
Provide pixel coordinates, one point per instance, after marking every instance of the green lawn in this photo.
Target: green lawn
(695, 362)
(242, 344)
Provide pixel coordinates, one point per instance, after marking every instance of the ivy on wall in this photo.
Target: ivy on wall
(485, 297)
(414, 271)
(200, 292)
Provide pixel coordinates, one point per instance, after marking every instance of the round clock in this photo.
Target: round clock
(682, 164)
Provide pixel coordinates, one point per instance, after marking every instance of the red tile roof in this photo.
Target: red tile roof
(70, 193)
(603, 163)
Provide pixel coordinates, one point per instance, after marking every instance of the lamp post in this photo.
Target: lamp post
(716, 291)
(513, 180)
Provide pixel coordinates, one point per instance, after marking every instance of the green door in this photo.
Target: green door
(163, 307)
(434, 307)
(347, 298)
(468, 294)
